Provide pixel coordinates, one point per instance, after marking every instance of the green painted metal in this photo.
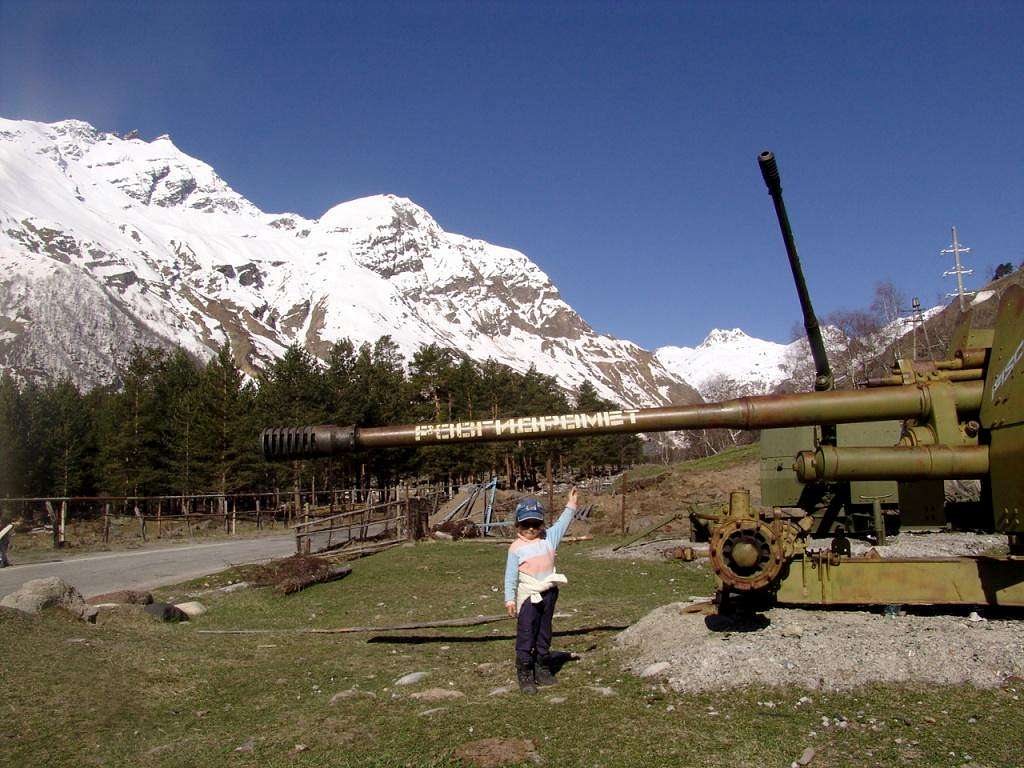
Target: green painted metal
(1002, 413)
(823, 579)
(954, 462)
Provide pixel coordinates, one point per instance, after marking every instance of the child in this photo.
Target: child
(531, 587)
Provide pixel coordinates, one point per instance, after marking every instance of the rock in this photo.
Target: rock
(128, 596)
(655, 669)
(411, 679)
(556, 700)
(246, 746)
(165, 612)
(792, 630)
(604, 690)
(806, 757)
(234, 587)
(351, 693)
(434, 711)
(192, 609)
(493, 753)
(51, 592)
(297, 749)
(437, 694)
(501, 690)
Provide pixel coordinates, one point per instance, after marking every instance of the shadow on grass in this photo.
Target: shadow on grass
(422, 639)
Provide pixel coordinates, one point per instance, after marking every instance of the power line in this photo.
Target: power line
(956, 249)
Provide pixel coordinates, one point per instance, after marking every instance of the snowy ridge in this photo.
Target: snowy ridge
(107, 241)
(729, 363)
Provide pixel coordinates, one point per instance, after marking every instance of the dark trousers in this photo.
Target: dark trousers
(533, 629)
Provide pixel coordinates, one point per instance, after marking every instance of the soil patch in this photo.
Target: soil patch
(291, 574)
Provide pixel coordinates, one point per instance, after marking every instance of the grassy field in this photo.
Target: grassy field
(135, 693)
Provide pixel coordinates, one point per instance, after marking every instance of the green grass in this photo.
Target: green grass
(727, 458)
(141, 694)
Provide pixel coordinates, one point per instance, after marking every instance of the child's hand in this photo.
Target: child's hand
(574, 498)
(511, 608)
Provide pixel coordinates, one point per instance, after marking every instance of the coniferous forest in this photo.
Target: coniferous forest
(176, 426)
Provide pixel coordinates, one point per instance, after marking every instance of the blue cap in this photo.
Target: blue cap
(529, 509)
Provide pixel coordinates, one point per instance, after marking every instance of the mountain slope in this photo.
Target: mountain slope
(108, 241)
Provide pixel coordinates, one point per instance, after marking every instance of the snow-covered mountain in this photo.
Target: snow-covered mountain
(729, 363)
(107, 241)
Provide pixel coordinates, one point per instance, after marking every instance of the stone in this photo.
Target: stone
(501, 690)
(792, 630)
(655, 669)
(437, 694)
(191, 609)
(246, 746)
(411, 679)
(494, 753)
(297, 749)
(351, 693)
(806, 757)
(50, 592)
(434, 711)
(128, 596)
(556, 700)
(165, 612)
(234, 587)
(604, 690)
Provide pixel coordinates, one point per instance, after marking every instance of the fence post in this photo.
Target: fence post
(410, 522)
(159, 514)
(622, 508)
(551, 494)
(106, 523)
(142, 522)
(259, 518)
(63, 522)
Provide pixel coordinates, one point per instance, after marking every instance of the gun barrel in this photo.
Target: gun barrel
(823, 371)
(801, 409)
(922, 462)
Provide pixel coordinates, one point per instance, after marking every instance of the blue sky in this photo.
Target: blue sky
(613, 143)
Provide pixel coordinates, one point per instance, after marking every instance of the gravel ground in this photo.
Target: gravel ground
(819, 649)
(924, 544)
(653, 549)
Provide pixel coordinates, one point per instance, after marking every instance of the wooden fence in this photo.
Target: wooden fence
(75, 520)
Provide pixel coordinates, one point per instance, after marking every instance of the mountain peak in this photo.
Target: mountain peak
(376, 210)
(719, 336)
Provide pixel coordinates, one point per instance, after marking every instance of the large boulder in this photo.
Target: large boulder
(50, 592)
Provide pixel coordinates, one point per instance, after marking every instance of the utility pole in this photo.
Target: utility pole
(916, 323)
(956, 249)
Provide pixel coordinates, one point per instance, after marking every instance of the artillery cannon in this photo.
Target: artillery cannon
(948, 430)
(854, 505)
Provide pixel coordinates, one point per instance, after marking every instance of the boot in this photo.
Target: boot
(524, 674)
(542, 673)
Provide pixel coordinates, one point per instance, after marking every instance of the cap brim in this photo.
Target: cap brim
(530, 516)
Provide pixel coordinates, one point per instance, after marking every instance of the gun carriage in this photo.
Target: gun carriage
(962, 418)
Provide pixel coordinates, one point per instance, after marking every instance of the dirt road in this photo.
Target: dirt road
(148, 568)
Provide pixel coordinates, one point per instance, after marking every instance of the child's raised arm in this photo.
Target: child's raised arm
(560, 526)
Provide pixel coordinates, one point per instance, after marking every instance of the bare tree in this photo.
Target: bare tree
(887, 302)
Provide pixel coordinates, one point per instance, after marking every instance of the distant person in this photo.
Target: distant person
(531, 589)
(6, 532)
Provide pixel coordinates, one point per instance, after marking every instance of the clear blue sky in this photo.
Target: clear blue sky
(613, 143)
